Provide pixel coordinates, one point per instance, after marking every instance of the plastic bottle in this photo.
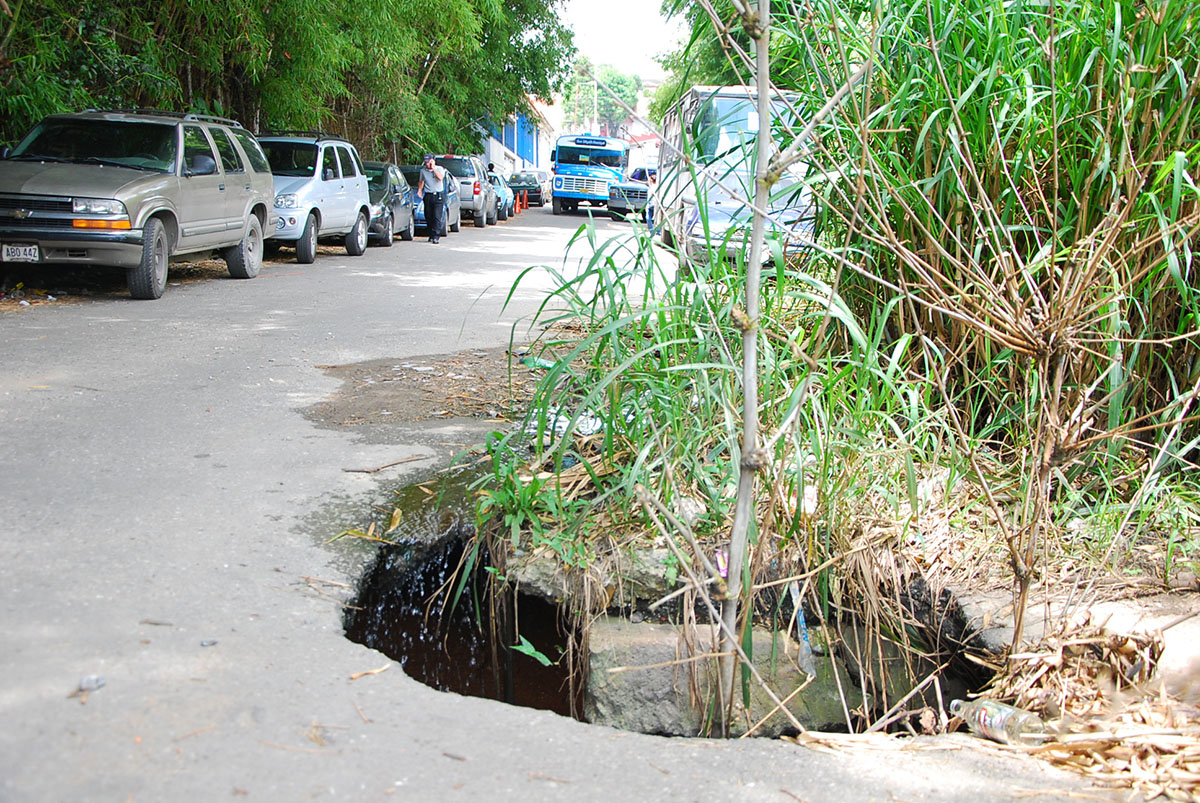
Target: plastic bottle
(1000, 722)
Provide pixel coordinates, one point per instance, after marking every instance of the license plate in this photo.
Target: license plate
(20, 252)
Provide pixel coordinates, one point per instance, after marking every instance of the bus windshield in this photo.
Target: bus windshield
(576, 155)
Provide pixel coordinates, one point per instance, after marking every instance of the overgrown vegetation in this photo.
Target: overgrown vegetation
(987, 362)
(398, 77)
(587, 108)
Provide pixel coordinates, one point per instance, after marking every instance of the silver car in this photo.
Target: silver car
(475, 191)
(133, 190)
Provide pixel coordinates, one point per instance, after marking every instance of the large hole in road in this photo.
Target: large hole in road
(409, 608)
(457, 635)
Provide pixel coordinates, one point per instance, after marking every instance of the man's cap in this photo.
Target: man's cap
(427, 157)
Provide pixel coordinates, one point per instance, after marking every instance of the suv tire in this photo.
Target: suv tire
(480, 218)
(245, 259)
(457, 224)
(149, 278)
(356, 238)
(306, 246)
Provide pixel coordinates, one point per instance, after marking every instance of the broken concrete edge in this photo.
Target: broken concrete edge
(959, 617)
(986, 622)
(660, 679)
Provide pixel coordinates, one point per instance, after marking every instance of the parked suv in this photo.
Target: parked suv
(132, 189)
(320, 192)
(475, 192)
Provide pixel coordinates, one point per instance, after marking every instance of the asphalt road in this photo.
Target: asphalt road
(164, 502)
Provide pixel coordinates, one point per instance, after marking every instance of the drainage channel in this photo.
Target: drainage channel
(406, 609)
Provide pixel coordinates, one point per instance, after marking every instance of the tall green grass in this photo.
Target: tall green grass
(1002, 303)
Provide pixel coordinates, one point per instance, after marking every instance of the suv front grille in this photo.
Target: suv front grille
(631, 194)
(35, 222)
(38, 203)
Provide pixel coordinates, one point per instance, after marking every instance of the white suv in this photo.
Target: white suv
(320, 192)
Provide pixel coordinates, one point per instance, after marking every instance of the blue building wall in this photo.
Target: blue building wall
(521, 138)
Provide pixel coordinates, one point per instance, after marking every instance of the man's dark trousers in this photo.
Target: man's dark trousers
(434, 214)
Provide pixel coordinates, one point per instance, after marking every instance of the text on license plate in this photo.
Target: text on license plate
(19, 252)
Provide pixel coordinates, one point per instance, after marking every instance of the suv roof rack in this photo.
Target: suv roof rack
(302, 133)
(205, 118)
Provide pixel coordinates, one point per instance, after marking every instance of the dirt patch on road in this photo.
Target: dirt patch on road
(482, 384)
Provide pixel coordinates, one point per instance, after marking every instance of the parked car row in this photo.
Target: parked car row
(135, 189)
(534, 183)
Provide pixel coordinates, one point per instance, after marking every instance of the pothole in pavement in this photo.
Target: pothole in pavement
(422, 605)
(455, 634)
(436, 613)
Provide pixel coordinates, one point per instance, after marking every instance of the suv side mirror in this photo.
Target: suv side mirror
(202, 166)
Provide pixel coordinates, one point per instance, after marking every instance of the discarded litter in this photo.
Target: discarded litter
(1000, 722)
(557, 423)
(208, 642)
(91, 683)
(539, 362)
(804, 659)
(86, 686)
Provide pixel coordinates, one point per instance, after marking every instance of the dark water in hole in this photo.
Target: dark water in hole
(402, 615)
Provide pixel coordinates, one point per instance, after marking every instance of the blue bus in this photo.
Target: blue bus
(584, 166)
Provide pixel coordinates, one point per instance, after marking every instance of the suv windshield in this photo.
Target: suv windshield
(120, 143)
(458, 165)
(291, 158)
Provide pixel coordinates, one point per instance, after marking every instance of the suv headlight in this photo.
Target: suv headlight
(98, 206)
(285, 200)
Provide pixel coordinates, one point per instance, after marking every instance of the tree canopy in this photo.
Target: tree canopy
(397, 76)
(581, 98)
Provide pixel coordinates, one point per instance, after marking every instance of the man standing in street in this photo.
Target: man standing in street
(432, 189)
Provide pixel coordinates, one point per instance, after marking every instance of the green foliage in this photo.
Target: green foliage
(404, 77)
(531, 508)
(526, 648)
(583, 96)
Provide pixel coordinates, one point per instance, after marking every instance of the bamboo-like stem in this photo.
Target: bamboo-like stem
(752, 458)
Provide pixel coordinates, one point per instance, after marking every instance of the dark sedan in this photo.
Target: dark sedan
(391, 203)
(530, 182)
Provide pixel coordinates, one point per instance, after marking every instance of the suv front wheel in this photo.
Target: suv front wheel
(356, 238)
(245, 258)
(306, 246)
(149, 278)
